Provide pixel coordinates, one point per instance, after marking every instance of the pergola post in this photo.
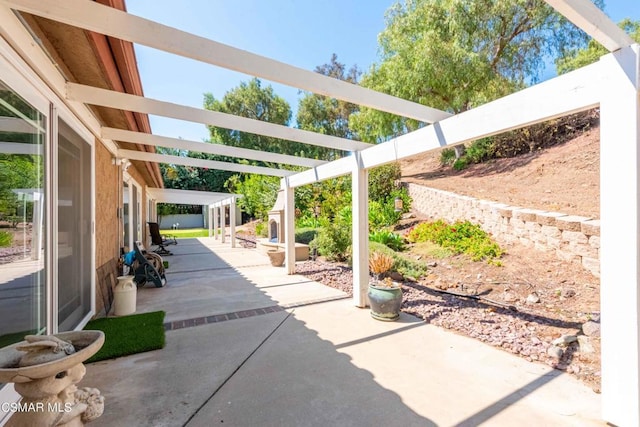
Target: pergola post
(619, 243)
(215, 221)
(289, 227)
(232, 221)
(210, 219)
(223, 222)
(360, 231)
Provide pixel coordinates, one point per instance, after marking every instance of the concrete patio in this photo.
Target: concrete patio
(249, 345)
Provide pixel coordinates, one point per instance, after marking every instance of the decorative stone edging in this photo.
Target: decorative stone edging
(572, 238)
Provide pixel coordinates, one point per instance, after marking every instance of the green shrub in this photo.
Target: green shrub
(6, 239)
(261, 229)
(382, 214)
(401, 263)
(382, 181)
(388, 238)
(306, 235)
(333, 241)
(408, 267)
(461, 163)
(461, 237)
(308, 222)
(479, 150)
(447, 156)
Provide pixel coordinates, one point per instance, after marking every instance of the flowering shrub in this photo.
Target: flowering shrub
(461, 237)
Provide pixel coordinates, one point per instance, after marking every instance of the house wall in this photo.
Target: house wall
(571, 238)
(108, 185)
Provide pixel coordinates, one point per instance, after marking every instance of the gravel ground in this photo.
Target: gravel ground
(525, 334)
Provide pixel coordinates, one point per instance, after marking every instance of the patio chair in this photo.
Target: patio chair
(160, 240)
(147, 267)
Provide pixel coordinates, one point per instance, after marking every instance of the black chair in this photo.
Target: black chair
(147, 267)
(159, 240)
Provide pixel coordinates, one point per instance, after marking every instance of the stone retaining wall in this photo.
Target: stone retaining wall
(571, 238)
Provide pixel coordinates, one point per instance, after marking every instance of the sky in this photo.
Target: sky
(303, 33)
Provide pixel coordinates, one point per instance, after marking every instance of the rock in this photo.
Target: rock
(568, 293)
(509, 297)
(585, 344)
(396, 277)
(564, 340)
(555, 352)
(591, 328)
(533, 298)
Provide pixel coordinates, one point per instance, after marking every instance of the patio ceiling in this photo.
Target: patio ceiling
(448, 130)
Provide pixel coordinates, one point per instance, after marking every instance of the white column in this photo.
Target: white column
(289, 227)
(232, 221)
(37, 226)
(210, 212)
(223, 222)
(619, 244)
(360, 231)
(215, 222)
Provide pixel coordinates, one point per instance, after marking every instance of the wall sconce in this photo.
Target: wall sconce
(125, 163)
(398, 204)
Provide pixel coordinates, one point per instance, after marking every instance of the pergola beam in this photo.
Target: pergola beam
(189, 197)
(200, 163)
(205, 147)
(123, 101)
(115, 23)
(586, 16)
(572, 92)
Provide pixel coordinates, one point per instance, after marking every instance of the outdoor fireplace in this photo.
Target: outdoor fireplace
(276, 220)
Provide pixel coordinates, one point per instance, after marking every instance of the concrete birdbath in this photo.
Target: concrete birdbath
(45, 370)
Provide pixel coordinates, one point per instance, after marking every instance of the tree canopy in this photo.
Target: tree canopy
(327, 115)
(457, 54)
(580, 57)
(253, 101)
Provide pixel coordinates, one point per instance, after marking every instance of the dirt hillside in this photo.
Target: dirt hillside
(563, 178)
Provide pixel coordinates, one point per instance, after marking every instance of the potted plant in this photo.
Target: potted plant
(385, 296)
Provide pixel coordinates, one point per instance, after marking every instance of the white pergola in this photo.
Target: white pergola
(612, 83)
(216, 204)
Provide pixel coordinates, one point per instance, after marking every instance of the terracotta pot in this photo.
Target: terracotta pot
(277, 257)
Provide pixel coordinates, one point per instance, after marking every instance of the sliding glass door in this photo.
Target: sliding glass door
(23, 228)
(74, 227)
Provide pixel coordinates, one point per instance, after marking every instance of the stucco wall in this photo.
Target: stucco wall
(107, 190)
(108, 183)
(571, 238)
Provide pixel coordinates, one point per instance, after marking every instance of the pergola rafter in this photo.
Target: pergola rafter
(201, 163)
(140, 104)
(586, 16)
(205, 147)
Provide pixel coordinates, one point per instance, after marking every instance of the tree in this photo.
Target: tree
(252, 101)
(457, 54)
(326, 115)
(594, 50)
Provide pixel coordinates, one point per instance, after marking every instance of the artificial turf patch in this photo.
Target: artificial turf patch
(127, 335)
